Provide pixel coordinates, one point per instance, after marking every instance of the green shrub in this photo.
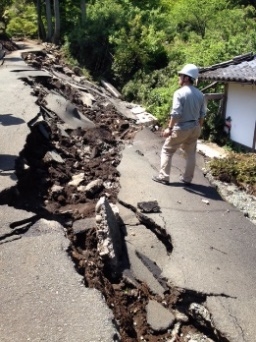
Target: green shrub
(236, 167)
(23, 20)
(213, 128)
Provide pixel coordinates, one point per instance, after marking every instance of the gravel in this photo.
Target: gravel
(238, 198)
(241, 200)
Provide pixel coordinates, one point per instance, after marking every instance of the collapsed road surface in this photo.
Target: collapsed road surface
(81, 167)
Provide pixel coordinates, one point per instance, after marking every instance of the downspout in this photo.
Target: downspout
(225, 100)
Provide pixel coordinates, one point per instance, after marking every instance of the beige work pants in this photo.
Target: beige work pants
(186, 139)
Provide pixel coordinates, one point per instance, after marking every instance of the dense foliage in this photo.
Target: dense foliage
(140, 45)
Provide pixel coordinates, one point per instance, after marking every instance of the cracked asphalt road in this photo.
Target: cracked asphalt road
(212, 250)
(213, 244)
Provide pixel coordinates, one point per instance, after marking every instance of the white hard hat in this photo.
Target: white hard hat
(190, 70)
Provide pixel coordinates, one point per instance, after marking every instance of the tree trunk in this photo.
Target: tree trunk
(49, 20)
(83, 11)
(56, 36)
(41, 29)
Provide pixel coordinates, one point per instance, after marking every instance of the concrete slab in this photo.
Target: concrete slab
(146, 118)
(67, 112)
(210, 150)
(42, 296)
(142, 273)
(213, 244)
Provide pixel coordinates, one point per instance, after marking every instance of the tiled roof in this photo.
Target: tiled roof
(239, 69)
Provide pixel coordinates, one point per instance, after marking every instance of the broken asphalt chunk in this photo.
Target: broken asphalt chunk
(67, 112)
(149, 207)
(110, 241)
(53, 156)
(109, 87)
(158, 317)
(77, 179)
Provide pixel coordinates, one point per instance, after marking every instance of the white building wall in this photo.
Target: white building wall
(241, 107)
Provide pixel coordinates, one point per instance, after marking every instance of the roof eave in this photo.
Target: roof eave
(222, 80)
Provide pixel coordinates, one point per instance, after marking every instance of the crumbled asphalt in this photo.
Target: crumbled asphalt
(207, 251)
(42, 296)
(213, 242)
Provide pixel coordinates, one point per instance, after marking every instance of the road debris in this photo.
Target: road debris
(67, 172)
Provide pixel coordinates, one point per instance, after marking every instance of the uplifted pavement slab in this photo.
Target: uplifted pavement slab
(213, 243)
(67, 112)
(17, 108)
(43, 298)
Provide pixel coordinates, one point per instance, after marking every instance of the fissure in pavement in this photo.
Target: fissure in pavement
(53, 154)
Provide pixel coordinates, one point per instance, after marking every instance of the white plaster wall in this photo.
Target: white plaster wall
(241, 107)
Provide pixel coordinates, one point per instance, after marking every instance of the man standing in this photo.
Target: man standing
(186, 120)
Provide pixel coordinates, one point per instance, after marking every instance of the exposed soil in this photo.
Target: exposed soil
(43, 188)
(7, 44)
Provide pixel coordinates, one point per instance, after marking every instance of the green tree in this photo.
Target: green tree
(23, 19)
(90, 43)
(138, 46)
(195, 15)
(4, 7)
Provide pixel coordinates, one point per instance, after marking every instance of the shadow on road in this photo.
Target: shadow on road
(10, 120)
(13, 59)
(199, 189)
(7, 162)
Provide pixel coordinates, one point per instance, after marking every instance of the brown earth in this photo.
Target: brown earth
(7, 44)
(38, 175)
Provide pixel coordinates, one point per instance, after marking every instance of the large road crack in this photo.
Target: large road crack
(160, 232)
(62, 173)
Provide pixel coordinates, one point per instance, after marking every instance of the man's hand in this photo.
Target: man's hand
(166, 133)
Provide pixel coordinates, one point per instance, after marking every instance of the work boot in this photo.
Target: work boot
(160, 179)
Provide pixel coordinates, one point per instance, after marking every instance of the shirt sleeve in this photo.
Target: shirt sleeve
(203, 109)
(177, 106)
